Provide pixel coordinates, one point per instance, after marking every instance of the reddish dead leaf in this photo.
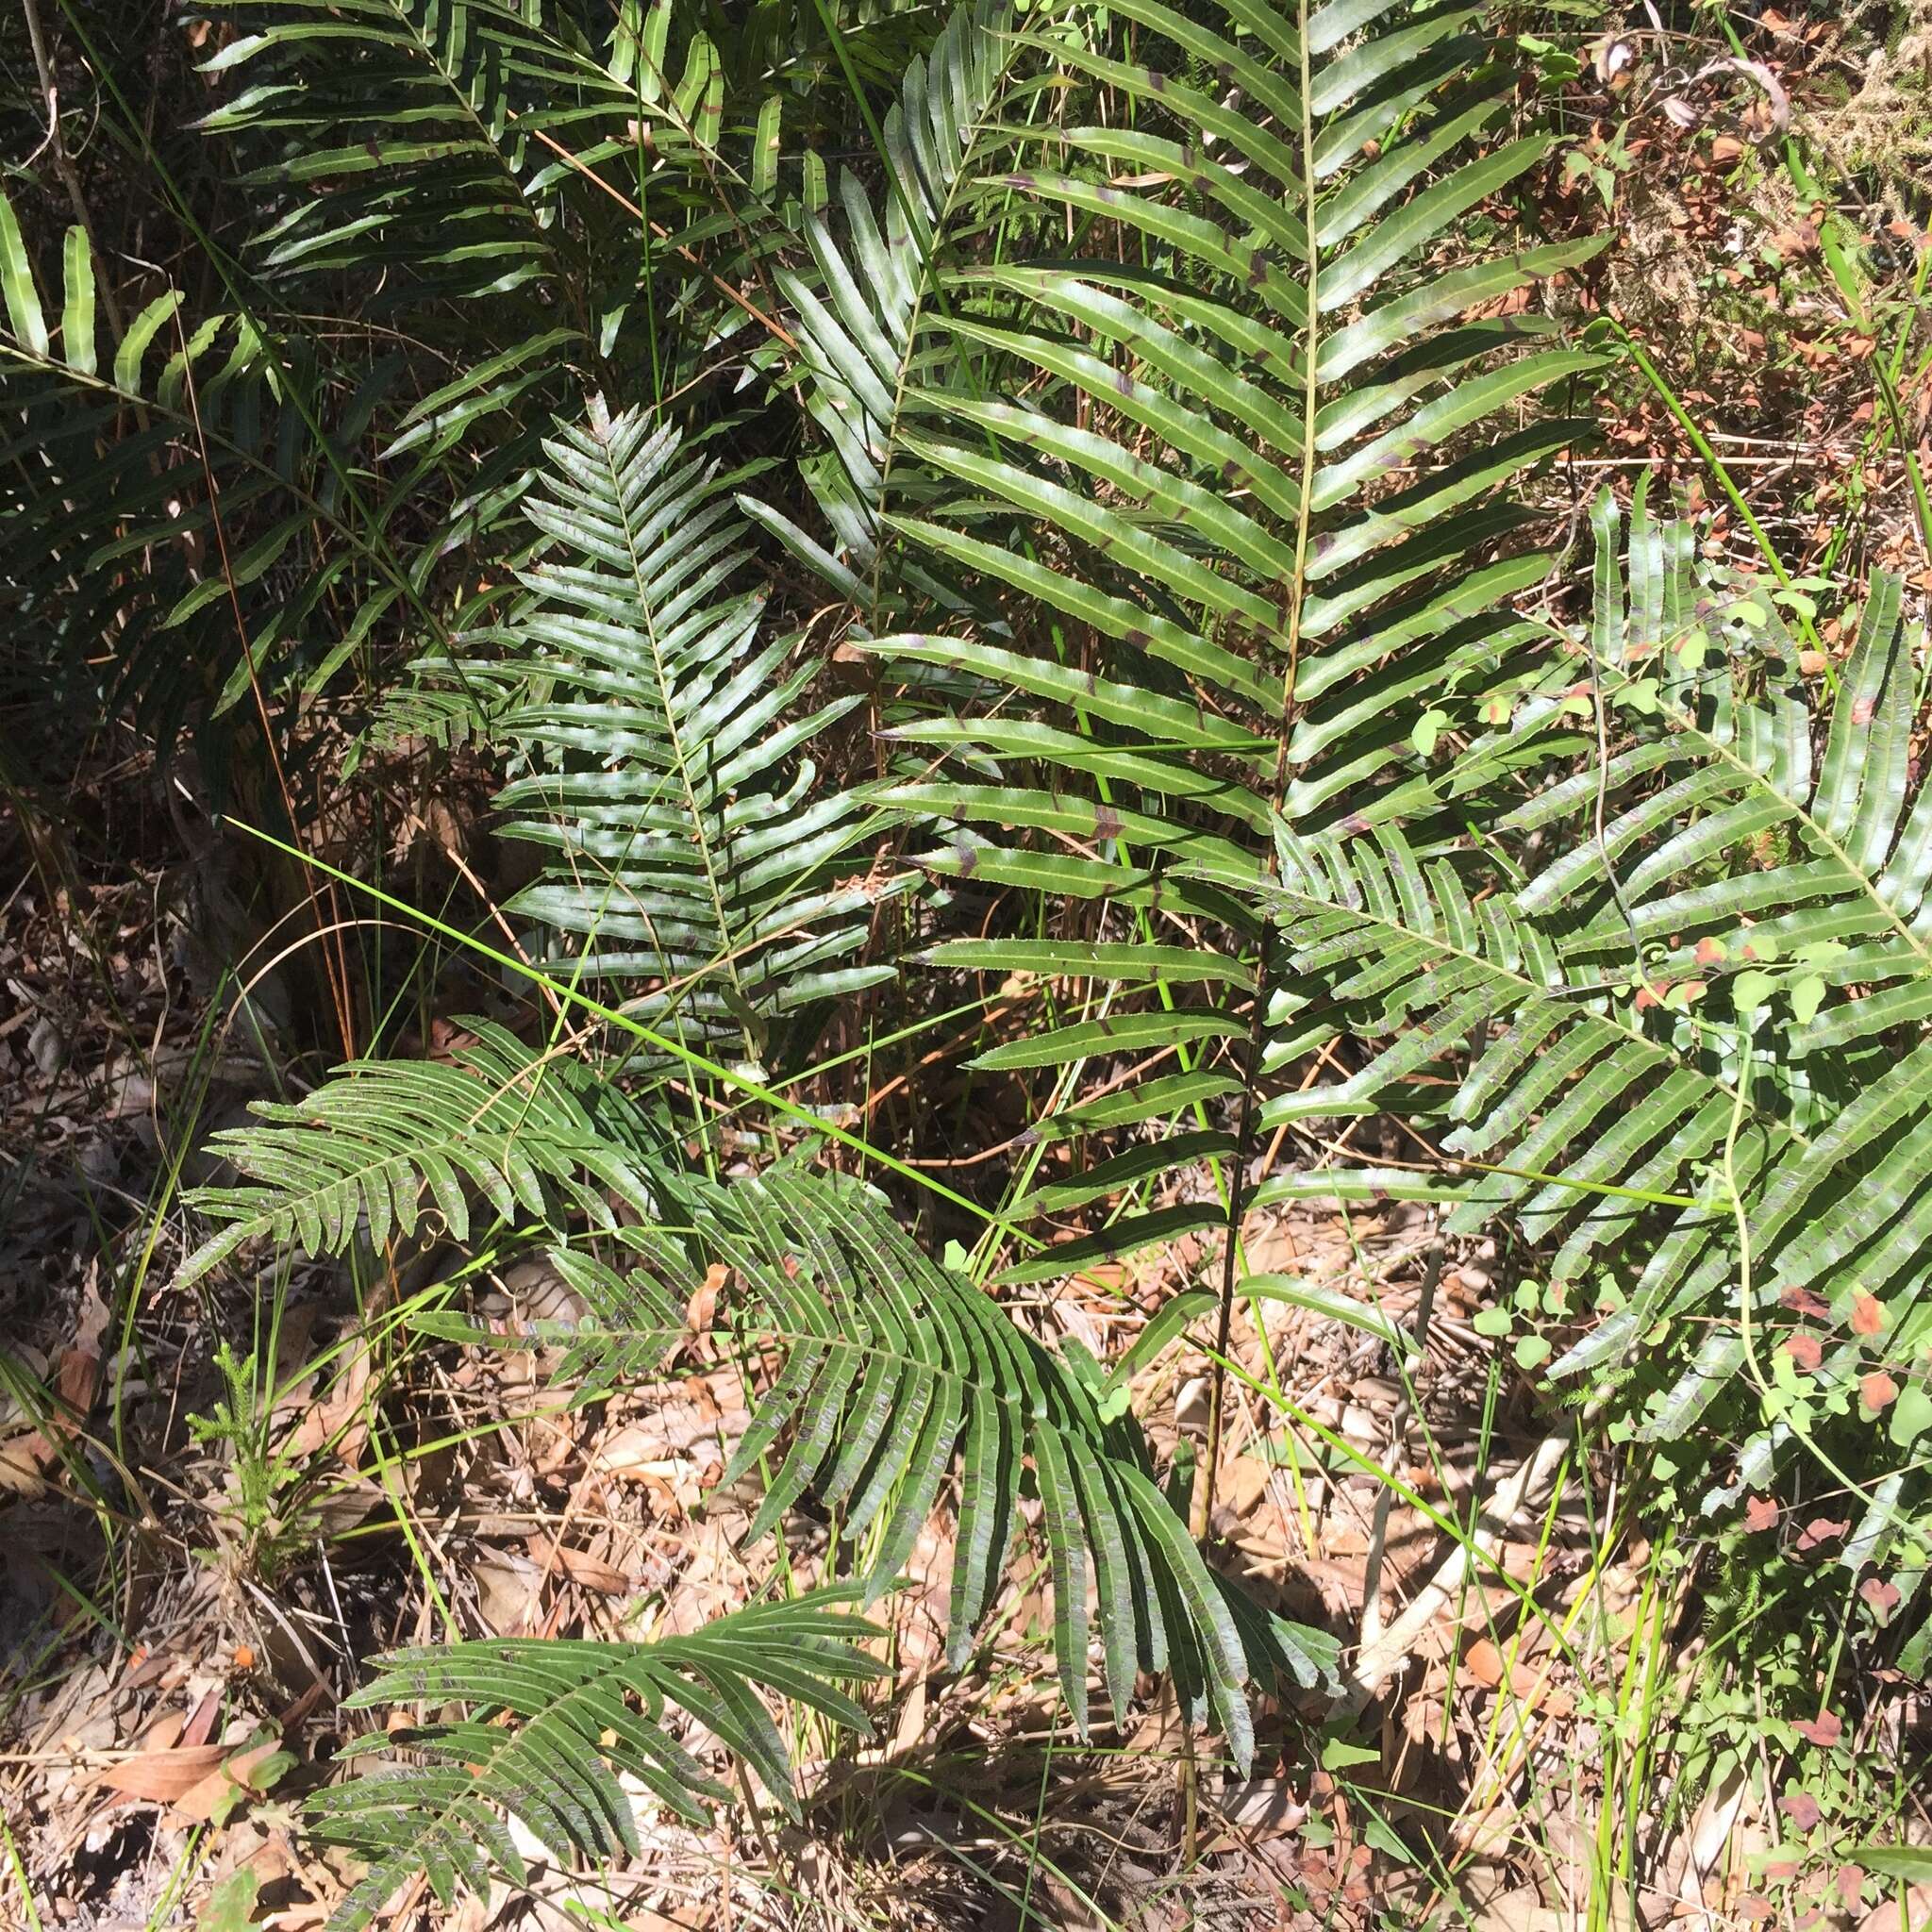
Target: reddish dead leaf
(1801, 1301)
(1823, 1730)
(1754, 1908)
(1803, 1350)
(1819, 1530)
(1801, 1807)
(702, 1310)
(1761, 1512)
(1868, 1317)
(1877, 1390)
(1726, 147)
(1710, 952)
(206, 1800)
(77, 1380)
(1851, 1885)
(1883, 1596)
(201, 1719)
(1484, 1662)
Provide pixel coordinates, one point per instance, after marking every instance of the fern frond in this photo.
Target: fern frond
(183, 446)
(1232, 453)
(890, 1373)
(857, 318)
(457, 149)
(696, 853)
(555, 1729)
(383, 1142)
(1626, 1038)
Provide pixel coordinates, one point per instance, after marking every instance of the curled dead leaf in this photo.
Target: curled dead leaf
(1877, 1390)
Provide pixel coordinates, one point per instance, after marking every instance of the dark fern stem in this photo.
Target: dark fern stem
(1237, 1201)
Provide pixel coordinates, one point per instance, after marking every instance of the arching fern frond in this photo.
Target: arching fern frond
(383, 1142)
(1707, 999)
(554, 1730)
(891, 1372)
(857, 317)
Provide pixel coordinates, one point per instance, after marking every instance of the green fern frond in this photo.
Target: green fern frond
(1233, 456)
(556, 1732)
(179, 478)
(456, 148)
(697, 852)
(1626, 1037)
(890, 1373)
(857, 318)
(385, 1142)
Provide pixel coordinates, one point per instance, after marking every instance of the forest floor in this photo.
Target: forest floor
(197, 1562)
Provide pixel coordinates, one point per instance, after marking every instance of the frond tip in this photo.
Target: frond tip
(568, 1738)
(533, 1136)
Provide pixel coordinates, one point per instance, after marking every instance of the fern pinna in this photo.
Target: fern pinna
(163, 441)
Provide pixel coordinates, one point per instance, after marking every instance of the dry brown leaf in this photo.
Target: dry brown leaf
(327, 1419)
(506, 1591)
(588, 1571)
(702, 1311)
(163, 1776)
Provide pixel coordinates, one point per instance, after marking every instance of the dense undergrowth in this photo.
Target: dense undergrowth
(865, 671)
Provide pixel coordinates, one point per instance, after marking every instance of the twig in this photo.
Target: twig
(1379, 1661)
(63, 161)
(1398, 1426)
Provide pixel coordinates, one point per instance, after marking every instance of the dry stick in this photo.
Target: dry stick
(1398, 1426)
(1293, 601)
(1524, 1486)
(663, 234)
(1224, 1324)
(63, 161)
